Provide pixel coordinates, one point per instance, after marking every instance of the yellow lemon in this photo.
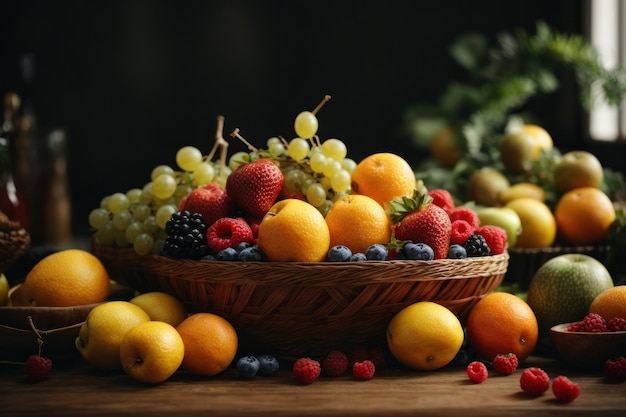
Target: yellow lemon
(151, 351)
(538, 223)
(522, 189)
(162, 306)
(425, 336)
(101, 334)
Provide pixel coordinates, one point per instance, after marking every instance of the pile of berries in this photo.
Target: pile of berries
(250, 366)
(595, 323)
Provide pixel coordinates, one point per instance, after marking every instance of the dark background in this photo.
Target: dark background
(133, 81)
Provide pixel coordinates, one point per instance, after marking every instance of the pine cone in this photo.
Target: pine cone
(14, 242)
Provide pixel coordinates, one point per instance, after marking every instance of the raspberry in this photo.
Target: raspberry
(534, 381)
(38, 367)
(363, 370)
(477, 372)
(495, 236)
(467, 214)
(565, 390)
(228, 232)
(592, 322)
(615, 368)
(461, 230)
(443, 199)
(357, 354)
(505, 364)
(378, 358)
(306, 370)
(335, 363)
(476, 245)
(616, 324)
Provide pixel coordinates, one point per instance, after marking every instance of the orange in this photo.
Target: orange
(543, 140)
(502, 323)
(444, 147)
(210, 343)
(67, 278)
(610, 303)
(425, 336)
(538, 223)
(151, 351)
(294, 231)
(584, 215)
(383, 176)
(358, 221)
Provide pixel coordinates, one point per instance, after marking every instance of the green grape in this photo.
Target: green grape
(146, 194)
(273, 141)
(348, 164)
(203, 173)
(157, 247)
(105, 235)
(143, 244)
(326, 183)
(298, 149)
(133, 230)
(332, 166)
(276, 149)
(334, 148)
(161, 169)
(182, 190)
(341, 180)
(163, 186)
(98, 217)
(306, 183)
(316, 194)
(324, 207)
(294, 179)
(305, 125)
(337, 195)
(164, 213)
(188, 157)
(134, 194)
(120, 238)
(140, 211)
(237, 159)
(104, 203)
(117, 202)
(122, 219)
(318, 162)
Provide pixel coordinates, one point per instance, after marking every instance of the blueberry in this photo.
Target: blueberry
(228, 254)
(358, 257)
(376, 252)
(247, 366)
(419, 251)
(208, 257)
(251, 253)
(339, 253)
(268, 365)
(456, 251)
(242, 245)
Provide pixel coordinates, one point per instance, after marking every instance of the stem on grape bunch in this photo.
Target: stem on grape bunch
(236, 134)
(222, 144)
(325, 100)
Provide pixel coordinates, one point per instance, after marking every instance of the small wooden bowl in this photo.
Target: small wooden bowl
(586, 349)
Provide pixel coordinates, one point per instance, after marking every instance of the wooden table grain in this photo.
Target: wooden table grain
(76, 389)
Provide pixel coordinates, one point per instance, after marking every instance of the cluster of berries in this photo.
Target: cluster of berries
(595, 323)
(533, 380)
(250, 366)
(361, 362)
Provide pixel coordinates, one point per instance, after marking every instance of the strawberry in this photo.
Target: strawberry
(418, 220)
(211, 201)
(255, 186)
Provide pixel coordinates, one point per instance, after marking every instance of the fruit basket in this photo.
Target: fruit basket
(295, 309)
(523, 262)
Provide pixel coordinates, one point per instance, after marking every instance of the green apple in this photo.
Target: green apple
(503, 217)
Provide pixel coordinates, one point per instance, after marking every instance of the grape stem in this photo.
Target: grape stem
(319, 106)
(221, 143)
(236, 134)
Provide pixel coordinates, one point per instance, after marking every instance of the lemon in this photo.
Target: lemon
(162, 306)
(425, 336)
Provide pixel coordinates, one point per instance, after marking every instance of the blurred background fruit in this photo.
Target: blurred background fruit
(610, 303)
(538, 223)
(523, 189)
(578, 169)
(485, 186)
(504, 217)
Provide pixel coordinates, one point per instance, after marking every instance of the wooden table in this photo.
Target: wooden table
(76, 389)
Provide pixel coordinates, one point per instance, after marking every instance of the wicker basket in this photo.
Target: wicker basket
(297, 309)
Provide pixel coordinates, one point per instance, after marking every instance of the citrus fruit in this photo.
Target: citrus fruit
(610, 303)
(522, 189)
(485, 186)
(445, 148)
(563, 288)
(502, 323)
(538, 223)
(210, 343)
(67, 278)
(161, 306)
(578, 169)
(383, 176)
(294, 230)
(358, 221)
(101, 334)
(151, 351)
(425, 336)
(543, 140)
(584, 216)
(16, 296)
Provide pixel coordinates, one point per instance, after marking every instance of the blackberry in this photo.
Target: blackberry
(476, 245)
(186, 236)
